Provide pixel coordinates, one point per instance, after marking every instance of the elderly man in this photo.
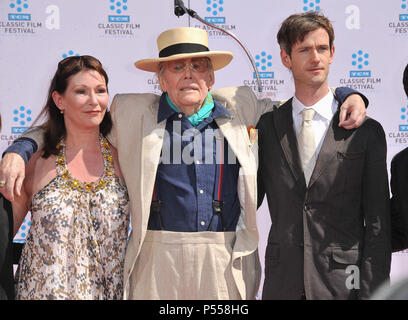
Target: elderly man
(190, 169)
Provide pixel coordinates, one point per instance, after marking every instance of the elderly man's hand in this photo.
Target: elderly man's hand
(12, 173)
(352, 112)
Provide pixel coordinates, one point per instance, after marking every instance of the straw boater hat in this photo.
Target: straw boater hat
(182, 43)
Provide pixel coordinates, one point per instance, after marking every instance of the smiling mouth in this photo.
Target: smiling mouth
(188, 89)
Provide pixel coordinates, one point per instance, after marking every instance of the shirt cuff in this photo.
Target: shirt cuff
(25, 147)
(342, 93)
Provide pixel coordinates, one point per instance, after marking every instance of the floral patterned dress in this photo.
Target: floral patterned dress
(76, 245)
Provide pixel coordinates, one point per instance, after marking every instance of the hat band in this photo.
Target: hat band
(180, 48)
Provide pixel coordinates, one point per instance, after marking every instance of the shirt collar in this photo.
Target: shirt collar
(165, 111)
(324, 107)
(219, 110)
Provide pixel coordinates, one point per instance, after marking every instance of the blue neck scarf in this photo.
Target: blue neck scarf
(203, 113)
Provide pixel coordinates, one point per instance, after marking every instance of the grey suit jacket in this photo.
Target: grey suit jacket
(330, 239)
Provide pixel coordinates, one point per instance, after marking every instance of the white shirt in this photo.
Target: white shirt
(325, 109)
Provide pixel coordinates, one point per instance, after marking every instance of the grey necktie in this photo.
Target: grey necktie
(307, 146)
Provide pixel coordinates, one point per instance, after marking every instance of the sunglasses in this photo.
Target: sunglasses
(198, 65)
(76, 58)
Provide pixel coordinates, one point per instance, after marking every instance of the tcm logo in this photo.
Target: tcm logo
(118, 8)
(22, 233)
(215, 8)
(404, 117)
(360, 61)
(19, 6)
(263, 62)
(404, 6)
(311, 5)
(69, 54)
(21, 119)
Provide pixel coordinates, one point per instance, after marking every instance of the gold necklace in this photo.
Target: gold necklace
(108, 169)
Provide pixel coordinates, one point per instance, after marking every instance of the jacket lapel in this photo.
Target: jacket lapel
(287, 138)
(237, 137)
(153, 134)
(332, 143)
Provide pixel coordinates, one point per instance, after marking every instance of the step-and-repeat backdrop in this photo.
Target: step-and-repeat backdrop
(371, 53)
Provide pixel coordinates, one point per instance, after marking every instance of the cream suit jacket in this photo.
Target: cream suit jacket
(139, 138)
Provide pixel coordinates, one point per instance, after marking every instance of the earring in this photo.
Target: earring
(62, 111)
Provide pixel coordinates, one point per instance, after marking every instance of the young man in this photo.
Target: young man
(327, 188)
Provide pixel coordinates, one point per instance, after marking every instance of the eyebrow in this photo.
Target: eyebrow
(310, 46)
(85, 85)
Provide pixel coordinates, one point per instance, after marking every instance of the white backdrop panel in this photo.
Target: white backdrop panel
(36, 34)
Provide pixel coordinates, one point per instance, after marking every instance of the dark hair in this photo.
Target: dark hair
(405, 80)
(54, 125)
(297, 26)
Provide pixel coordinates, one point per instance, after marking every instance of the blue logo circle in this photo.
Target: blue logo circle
(22, 115)
(23, 231)
(19, 5)
(263, 61)
(360, 59)
(404, 112)
(118, 6)
(70, 54)
(215, 6)
(311, 5)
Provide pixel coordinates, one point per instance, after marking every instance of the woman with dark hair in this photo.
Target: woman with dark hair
(73, 187)
(6, 248)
